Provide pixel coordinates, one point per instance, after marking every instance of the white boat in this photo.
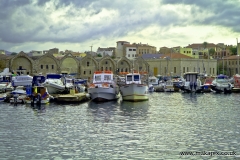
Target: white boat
(103, 87)
(18, 95)
(55, 85)
(221, 84)
(134, 89)
(38, 94)
(152, 82)
(191, 83)
(22, 80)
(3, 97)
(168, 86)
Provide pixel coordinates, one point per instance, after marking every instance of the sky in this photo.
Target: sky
(76, 25)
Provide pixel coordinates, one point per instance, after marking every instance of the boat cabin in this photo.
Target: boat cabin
(190, 76)
(102, 76)
(222, 78)
(133, 78)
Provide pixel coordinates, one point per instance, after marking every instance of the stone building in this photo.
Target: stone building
(84, 67)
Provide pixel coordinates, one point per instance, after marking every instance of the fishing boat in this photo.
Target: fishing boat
(103, 87)
(134, 89)
(221, 84)
(191, 83)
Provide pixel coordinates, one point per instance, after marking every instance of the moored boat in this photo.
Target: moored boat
(37, 94)
(207, 84)
(236, 79)
(103, 87)
(134, 89)
(3, 97)
(55, 85)
(191, 83)
(221, 84)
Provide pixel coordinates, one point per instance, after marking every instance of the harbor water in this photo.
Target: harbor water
(161, 128)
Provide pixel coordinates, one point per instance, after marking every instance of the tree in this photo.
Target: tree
(233, 50)
(99, 55)
(205, 46)
(211, 52)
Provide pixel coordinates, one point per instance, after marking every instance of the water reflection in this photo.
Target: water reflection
(134, 108)
(103, 110)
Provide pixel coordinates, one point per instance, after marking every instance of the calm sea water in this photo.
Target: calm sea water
(160, 128)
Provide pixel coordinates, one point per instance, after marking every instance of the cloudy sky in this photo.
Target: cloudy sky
(78, 24)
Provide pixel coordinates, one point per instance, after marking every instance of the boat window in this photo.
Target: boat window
(98, 78)
(136, 77)
(129, 78)
(107, 77)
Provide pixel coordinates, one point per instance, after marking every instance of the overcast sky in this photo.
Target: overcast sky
(76, 25)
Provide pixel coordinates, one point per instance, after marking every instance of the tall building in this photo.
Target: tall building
(120, 48)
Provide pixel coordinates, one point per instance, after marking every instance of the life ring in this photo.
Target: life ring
(104, 85)
(92, 85)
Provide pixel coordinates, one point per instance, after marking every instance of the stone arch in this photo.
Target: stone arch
(124, 65)
(141, 65)
(21, 64)
(87, 66)
(47, 64)
(107, 63)
(69, 65)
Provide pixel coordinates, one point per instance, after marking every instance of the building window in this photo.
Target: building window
(175, 70)
(213, 71)
(194, 69)
(183, 69)
(106, 62)
(84, 72)
(121, 63)
(90, 72)
(52, 66)
(128, 55)
(106, 68)
(134, 49)
(41, 66)
(130, 49)
(187, 69)
(101, 68)
(210, 70)
(126, 70)
(46, 66)
(110, 68)
(87, 63)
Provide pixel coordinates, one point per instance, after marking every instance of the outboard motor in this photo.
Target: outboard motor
(39, 98)
(191, 85)
(195, 85)
(32, 99)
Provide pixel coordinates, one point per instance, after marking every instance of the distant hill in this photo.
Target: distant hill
(8, 53)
